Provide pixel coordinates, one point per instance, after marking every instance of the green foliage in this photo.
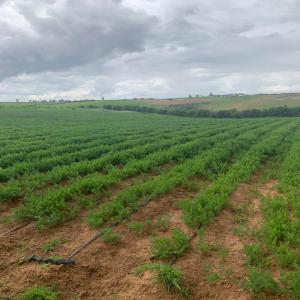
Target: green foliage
(140, 227)
(260, 283)
(291, 283)
(39, 293)
(169, 276)
(254, 253)
(189, 110)
(210, 275)
(51, 245)
(163, 222)
(110, 237)
(165, 247)
(205, 248)
(222, 252)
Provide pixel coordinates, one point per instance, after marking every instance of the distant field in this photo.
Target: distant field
(214, 103)
(236, 102)
(208, 103)
(198, 204)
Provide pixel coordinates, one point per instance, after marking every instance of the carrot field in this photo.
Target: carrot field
(98, 204)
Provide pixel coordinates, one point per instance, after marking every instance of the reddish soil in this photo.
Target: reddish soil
(106, 272)
(101, 270)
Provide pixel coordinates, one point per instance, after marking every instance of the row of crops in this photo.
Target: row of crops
(273, 258)
(57, 163)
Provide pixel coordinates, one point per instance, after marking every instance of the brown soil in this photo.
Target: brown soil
(105, 271)
(101, 270)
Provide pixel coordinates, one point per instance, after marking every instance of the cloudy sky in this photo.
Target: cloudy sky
(147, 48)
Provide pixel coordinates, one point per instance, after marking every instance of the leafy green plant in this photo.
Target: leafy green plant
(166, 247)
(110, 237)
(222, 252)
(168, 275)
(291, 283)
(51, 245)
(210, 275)
(163, 222)
(205, 248)
(254, 254)
(140, 227)
(260, 282)
(39, 293)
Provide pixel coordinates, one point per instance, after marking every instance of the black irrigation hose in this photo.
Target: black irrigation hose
(69, 260)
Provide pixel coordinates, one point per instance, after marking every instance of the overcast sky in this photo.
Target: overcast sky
(147, 48)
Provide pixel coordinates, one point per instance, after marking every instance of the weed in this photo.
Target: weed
(6, 219)
(291, 283)
(86, 203)
(165, 247)
(140, 227)
(51, 245)
(210, 275)
(163, 222)
(192, 185)
(39, 293)
(260, 282)
(110, 237)
(254, 254)
(205, 248)
(222, 252)
(169, 276)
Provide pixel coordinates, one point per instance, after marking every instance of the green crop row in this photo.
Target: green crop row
(207, 161)
(41, 207)
(15, 189)
(200, 210)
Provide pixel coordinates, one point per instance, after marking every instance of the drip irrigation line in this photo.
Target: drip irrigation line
(14, 229)
(69, 260)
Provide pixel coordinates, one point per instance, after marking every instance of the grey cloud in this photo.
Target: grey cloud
(69, 35)
(158, 48)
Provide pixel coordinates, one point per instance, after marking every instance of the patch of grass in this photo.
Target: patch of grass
(192, 185)
(240, 213)
(6, 219)
(291, 284)
(163, 222)
(222, 252)
(165, 247)
(210, 275)
(140, 227)
(51, 245)
(39, 293)
(260, 283)
(255, 255)
(85, 202)
(245, 231)
(205, 248)
(169, 276)
(110, 237)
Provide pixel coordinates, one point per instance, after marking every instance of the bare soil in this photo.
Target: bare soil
(105, 271)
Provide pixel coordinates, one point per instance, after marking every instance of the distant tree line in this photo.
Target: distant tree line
(190, 111)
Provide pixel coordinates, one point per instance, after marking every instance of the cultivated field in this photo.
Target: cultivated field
(235, 102)
(158, 207)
